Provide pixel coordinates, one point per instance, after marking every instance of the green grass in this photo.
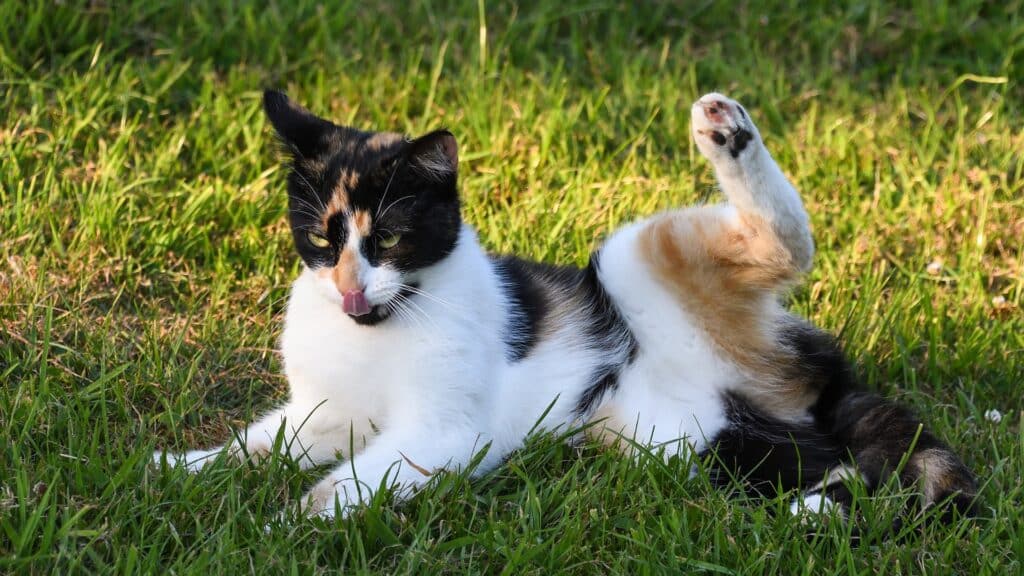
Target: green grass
(144, 261)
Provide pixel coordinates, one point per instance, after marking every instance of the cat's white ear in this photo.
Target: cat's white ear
(435, 155)
(305, 133)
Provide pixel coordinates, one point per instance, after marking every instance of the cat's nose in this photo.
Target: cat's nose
(354, 303)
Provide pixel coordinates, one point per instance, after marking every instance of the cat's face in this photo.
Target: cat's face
(368, 211)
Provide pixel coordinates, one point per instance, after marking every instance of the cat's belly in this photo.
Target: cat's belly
(673, 388)
(658, 406)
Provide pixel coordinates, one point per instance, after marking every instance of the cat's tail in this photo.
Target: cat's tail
(884, 438)
(856, 436)
(878, 437)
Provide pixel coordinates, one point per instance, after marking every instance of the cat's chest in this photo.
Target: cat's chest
(335, 355)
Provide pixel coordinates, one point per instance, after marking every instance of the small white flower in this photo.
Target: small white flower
(994, 415)
(934, 268)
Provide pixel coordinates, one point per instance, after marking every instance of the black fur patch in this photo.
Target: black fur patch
(529, 304)
(735, 142)
(769, 454)
(738, 141)
(876, 432)
(608, 331)
(850, 426)
(537, 289)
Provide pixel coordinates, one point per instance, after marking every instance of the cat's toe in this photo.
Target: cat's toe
(193, 461)
(721, 125)
(329, 498)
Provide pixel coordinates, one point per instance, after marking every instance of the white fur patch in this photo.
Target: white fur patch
(814, 504)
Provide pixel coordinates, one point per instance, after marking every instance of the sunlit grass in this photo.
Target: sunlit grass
(144, 261)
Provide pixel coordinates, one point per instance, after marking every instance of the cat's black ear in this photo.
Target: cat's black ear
(435, 155)
(303, 132)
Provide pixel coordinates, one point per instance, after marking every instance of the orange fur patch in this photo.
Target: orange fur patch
(938, 471)
(381, 140)
(339, 202)
(349, 180)
(609, 430)
(321, 497)
(336, 205)
(362, 222)
(726, 272)
(346, 272)
(255, 449)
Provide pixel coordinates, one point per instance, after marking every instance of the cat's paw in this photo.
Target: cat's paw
(193, 460)
(330, 498)
(816, 506)
(722, 128)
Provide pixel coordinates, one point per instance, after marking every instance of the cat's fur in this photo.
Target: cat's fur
(673, 336)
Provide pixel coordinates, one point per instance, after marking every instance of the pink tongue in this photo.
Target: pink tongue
(355, 303)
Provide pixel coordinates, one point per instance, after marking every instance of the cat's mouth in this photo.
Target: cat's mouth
(358, 307)
(355, 304)
(374, 316)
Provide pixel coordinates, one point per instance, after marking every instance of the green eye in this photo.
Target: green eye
(389, 241)
(318, 240)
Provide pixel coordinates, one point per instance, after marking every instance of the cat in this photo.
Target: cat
(409, 349)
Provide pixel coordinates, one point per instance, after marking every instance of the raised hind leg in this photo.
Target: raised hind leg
(750, 178)
(722, 266)
(727, 263)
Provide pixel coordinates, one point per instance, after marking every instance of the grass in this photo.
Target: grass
(144, 261)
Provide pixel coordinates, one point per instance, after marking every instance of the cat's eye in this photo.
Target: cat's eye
(318, 240)
(389, 241)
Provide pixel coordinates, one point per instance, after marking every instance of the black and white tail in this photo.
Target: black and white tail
(856, 435)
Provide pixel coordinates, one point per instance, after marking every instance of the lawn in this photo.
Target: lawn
(145, 261)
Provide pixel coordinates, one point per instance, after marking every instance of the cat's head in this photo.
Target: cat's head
(368, 210)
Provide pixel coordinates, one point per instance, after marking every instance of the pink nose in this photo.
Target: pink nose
(354, 303)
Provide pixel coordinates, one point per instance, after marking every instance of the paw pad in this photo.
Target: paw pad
(723, 122)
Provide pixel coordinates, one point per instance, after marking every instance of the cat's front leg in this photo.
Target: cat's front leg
(401, 461)
(304, 440)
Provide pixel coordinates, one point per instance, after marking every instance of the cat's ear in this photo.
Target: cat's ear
(305, 133)
(435, 155)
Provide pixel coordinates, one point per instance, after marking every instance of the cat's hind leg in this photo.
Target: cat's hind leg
(725, 261)
(726, 264)
(749, 177)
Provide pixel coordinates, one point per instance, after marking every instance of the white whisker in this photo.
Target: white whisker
(459, 311)
(381, 215)
(386, 188)
(405, 312)
(311, 189)
(417, 311)
(305, 203)
(425, 294)
(305, 212)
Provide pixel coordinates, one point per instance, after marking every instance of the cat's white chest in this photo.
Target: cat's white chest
(337, 369)
(364, 378)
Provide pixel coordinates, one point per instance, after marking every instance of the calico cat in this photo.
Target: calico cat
(409, 349)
